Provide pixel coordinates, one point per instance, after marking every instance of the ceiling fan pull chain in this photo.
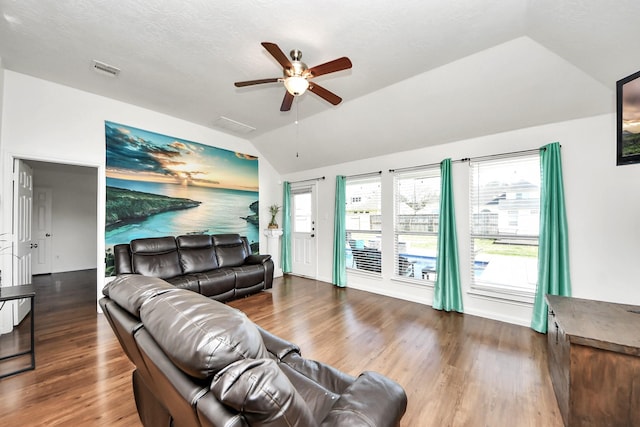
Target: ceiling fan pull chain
(297, 129)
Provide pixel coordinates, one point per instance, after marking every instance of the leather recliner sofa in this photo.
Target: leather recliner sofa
(218, 266)
(200, 362)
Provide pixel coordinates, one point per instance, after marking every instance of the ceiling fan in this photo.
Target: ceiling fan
(297, 76)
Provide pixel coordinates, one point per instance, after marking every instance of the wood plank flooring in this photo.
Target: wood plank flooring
(82, 377)
(457, 370)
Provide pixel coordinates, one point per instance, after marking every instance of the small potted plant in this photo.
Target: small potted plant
(273, 210)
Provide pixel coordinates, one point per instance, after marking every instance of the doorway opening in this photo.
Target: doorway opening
(58, 230)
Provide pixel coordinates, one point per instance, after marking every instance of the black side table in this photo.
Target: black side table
(11, 293)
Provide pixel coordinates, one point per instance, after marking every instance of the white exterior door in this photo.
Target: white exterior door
(42, 204)
(303, 231)
(22, 208)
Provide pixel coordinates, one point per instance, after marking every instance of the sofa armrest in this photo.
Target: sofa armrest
(277, 346)
(371, 401)
(262, 393)
(257, 259)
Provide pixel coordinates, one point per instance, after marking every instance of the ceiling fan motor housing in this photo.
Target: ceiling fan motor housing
(298, 68)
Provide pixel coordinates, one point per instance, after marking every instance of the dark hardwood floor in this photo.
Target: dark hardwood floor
(457, 370)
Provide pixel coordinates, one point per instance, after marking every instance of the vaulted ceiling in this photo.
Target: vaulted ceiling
(424, 72)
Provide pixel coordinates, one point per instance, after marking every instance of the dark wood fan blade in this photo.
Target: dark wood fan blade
(278, 54)
(325, 94)
(331, 67)
(286, 102)
(255, 82)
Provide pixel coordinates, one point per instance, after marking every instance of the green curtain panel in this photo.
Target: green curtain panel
(339, 234)
(286, 228)
(553, 249)
(447, 294)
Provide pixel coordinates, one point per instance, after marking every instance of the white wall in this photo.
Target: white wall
(1, 115)
(74, 216)
(603, 204)
(1, 94)
(50, 122)
(45, 121)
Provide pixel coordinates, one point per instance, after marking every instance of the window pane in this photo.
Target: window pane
(417, 256)
(417, 218)
(506, 197)
(505, 218)
(364, 224)
(363, 251)
(302, 213)
(505, 263)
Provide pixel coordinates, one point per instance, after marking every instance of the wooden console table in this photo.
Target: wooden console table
(594, 361)
(10, 293)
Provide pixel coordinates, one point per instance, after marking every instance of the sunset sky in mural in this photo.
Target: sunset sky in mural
(136, 154)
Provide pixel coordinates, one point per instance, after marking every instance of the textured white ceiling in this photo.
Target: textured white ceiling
(424, 72)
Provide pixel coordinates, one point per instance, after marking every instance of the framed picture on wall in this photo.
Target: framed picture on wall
(628, 119)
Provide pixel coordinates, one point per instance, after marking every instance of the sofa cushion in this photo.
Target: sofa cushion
(219, 283)
(231, 250)
(248, 276)
(372, 400)
(197, 253)
(201, 336)
(262, 393)
(187, 281)
(130, 291)
(156, 257)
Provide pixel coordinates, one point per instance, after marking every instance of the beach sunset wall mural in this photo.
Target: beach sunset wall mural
(159, 185)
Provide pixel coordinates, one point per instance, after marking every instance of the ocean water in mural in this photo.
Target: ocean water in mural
(221, 211)
(157, 185)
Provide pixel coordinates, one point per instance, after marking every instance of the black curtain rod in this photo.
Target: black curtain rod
(468, 159)
(497, 156)
(320, 178)
(364, 174)
(430, 165)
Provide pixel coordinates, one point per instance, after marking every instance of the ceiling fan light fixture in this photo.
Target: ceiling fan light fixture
(296, 85)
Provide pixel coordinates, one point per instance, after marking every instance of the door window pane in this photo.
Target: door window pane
(302, 213)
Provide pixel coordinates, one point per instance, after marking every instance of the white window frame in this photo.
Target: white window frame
(416, 221)
(490, 225)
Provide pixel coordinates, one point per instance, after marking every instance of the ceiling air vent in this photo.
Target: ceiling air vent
(102, 68)
(232, 125)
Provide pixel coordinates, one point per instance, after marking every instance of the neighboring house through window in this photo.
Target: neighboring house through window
(505, 218)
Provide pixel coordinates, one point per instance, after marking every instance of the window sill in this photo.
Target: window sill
(416, 282)
(503, 294)
(364, 273)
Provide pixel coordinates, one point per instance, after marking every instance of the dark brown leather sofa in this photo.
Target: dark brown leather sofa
(200, 362)
(218, 266)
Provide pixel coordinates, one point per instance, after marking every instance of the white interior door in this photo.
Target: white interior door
(42, 205)
(22, 216)
(303, 231)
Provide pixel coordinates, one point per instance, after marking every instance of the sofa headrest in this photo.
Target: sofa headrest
(130, 291)
(230, 249)
(197, 253)
(200, 336)
(262, 393)
(155, 256)
(153, 245)
(194, 241)
(226, 239)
